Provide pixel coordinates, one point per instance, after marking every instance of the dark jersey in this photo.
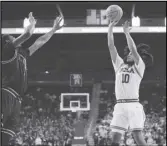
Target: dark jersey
(9, 65)
(14, 70)
(20, 81)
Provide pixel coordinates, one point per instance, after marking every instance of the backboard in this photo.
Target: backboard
(74, 102)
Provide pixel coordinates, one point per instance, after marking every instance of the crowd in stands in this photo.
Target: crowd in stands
(42, 123)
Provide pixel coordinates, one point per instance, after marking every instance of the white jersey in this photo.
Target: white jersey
(128, 79)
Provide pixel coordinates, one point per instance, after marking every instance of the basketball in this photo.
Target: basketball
(114, 13)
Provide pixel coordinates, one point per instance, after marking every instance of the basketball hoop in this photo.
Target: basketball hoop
(74, 102)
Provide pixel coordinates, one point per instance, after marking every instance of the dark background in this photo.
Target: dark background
(89, 54)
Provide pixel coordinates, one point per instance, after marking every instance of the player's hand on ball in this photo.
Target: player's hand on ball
(112, 23)
(58, 23)
(126, 27)
(114, 14)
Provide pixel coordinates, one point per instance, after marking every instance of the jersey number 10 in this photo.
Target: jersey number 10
(125, 78)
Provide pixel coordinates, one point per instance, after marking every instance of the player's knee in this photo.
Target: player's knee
(137, 133)
(116, 137)
(139, 138)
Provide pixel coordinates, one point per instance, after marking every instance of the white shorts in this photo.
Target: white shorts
(128, 116)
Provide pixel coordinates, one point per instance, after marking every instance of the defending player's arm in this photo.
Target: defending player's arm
(139, 64)
(10, 44)
(27, 32)
(45, 38)
(116, 59)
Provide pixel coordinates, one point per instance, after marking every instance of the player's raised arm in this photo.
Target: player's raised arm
(131, 44)
(112, 48)
(116, 59)
(45, 38)
(27, 32)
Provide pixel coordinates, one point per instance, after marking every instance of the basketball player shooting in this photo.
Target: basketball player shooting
(128, 112)
(14, 74)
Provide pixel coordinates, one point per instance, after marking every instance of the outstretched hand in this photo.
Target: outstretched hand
(32, 19)
(58, 23)
(126, 28)
(32, 22)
